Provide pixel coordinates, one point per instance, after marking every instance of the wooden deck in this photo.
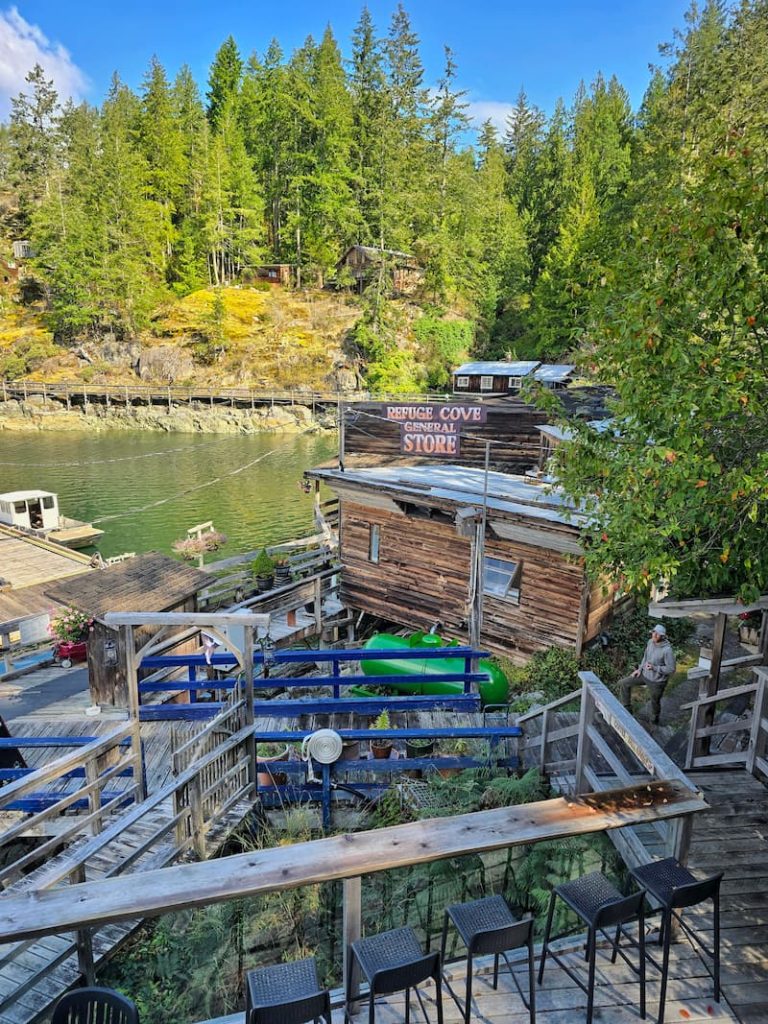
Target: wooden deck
(27, 561)
(733, 837)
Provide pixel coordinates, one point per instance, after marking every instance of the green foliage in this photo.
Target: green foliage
(263, 566)
(554, 672)
(680, 492)
(381, 721)
(25, 355)
(444, 344)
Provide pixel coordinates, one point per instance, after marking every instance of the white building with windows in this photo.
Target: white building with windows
(503, 378)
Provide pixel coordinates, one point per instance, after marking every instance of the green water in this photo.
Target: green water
(148, 488)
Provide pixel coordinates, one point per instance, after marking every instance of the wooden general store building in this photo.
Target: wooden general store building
(427, 544)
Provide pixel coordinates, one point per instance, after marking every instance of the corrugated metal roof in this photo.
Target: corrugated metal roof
(463, 485)
(500, 369)
(553, 373)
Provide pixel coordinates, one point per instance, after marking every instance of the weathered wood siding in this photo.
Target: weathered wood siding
(511, 421)
(423, 575)
(108, 684)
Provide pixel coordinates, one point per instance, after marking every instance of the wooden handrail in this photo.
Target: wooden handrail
(348, 856)
(569, 698)
(734, 691)
(56, 768)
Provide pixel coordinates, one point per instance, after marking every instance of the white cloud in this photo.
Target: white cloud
(494, 111)
(21, 47)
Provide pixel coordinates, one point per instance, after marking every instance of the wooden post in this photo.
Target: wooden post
(586, 718)
(342, 437)
(711, 684)
(317, 604)
(84, 938)
(249, 696)
(140, 780)
(353, 929)
(544, 732)
(756, 733)
(94, 794)
(45, 396)
(195, 790)
(131, 672)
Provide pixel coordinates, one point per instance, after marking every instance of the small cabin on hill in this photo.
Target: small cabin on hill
(146, 583)
(275, 273)
(413, 540)
(363, 262)
(504, 378)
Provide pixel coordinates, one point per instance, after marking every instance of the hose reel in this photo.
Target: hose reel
(324, 746)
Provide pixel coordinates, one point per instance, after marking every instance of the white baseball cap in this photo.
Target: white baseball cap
(660, 629)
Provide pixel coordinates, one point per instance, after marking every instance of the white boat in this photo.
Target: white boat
(37, 512)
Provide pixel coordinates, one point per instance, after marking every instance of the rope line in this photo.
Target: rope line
(191, 490)
(122, 458)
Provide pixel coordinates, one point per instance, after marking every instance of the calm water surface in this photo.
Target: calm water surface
(152, 483)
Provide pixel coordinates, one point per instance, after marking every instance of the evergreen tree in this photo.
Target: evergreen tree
(162, 146)
(33, 136)
(224, 80)
(369, 105)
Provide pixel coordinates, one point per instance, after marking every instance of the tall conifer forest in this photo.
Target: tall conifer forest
(633, 242)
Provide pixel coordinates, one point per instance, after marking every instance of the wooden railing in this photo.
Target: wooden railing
(75, 782)
(239, 586)
(350, 856)
(214, 772)
(75, 392)
(596, 746)
(752, 725)
(215, 769)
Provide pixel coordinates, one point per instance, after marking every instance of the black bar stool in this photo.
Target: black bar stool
(600, 905)
(674, 888)
(489, 926)
(394, 961)
(286, 994)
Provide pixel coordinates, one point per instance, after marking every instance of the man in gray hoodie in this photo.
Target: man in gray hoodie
(654, 671)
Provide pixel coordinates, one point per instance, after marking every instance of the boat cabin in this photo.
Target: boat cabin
(496, 561)
(30, 510)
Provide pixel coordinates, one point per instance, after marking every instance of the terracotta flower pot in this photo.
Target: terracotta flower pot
(270, 777)
(381, 751)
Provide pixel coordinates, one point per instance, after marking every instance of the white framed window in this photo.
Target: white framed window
(501, 579)
(486, 383)
(462, 382)
(20, 507)
(48, 502)
(514, 383)
(374, 543)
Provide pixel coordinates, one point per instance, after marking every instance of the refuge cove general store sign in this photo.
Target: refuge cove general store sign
(434, 429)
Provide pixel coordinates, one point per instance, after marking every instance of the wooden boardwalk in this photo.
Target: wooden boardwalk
(33, 975)
(733, 837)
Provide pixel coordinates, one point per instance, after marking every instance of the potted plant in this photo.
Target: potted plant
(268, 753)
(263, 569)
(452, 748)
(420, 746)
(282, 570)
(381, 748)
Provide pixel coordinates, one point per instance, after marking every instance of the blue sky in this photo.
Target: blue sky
(546, 46)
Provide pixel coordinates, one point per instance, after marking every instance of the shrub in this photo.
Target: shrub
(445, 344)
(263, 566)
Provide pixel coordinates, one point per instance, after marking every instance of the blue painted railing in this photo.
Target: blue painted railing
(302, 791)
(467, 700)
